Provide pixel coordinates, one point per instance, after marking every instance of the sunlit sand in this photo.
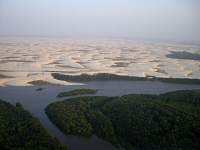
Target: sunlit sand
(25, 60)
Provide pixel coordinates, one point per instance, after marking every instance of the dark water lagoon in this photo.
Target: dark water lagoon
(35, 102)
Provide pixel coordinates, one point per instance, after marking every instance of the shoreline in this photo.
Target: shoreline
(109, 76)
(27, 97)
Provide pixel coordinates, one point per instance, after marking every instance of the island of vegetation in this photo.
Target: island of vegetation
(166, 121)
(40, 83)
(77, 92)
(108, 76)
(19, 130)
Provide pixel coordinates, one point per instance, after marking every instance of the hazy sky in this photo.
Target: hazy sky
(149, 19)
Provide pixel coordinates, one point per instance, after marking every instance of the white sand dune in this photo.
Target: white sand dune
(35, 59)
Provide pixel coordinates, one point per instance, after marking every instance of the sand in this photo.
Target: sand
(33, 59)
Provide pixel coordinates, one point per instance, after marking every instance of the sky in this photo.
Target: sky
(175, 20)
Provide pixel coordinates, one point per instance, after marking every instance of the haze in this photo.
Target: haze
(175, 20)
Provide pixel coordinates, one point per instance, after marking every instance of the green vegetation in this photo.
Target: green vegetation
(77, 92)
(107, 76)
(40, 82)
(20, 131)
(95, 77)
(166, 121)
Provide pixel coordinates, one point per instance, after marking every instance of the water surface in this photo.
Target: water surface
(36, 101)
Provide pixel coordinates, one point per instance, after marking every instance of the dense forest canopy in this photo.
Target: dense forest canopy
(166, 121)
(19, 130)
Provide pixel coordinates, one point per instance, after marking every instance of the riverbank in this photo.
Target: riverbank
(36, 101)
(110, 77)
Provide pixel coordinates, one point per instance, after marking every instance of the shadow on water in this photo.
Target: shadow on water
(35, 101)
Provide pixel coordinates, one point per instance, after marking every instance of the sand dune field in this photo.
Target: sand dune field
(26, 59)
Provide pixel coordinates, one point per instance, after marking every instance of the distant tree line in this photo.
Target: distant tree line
(108, 76)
